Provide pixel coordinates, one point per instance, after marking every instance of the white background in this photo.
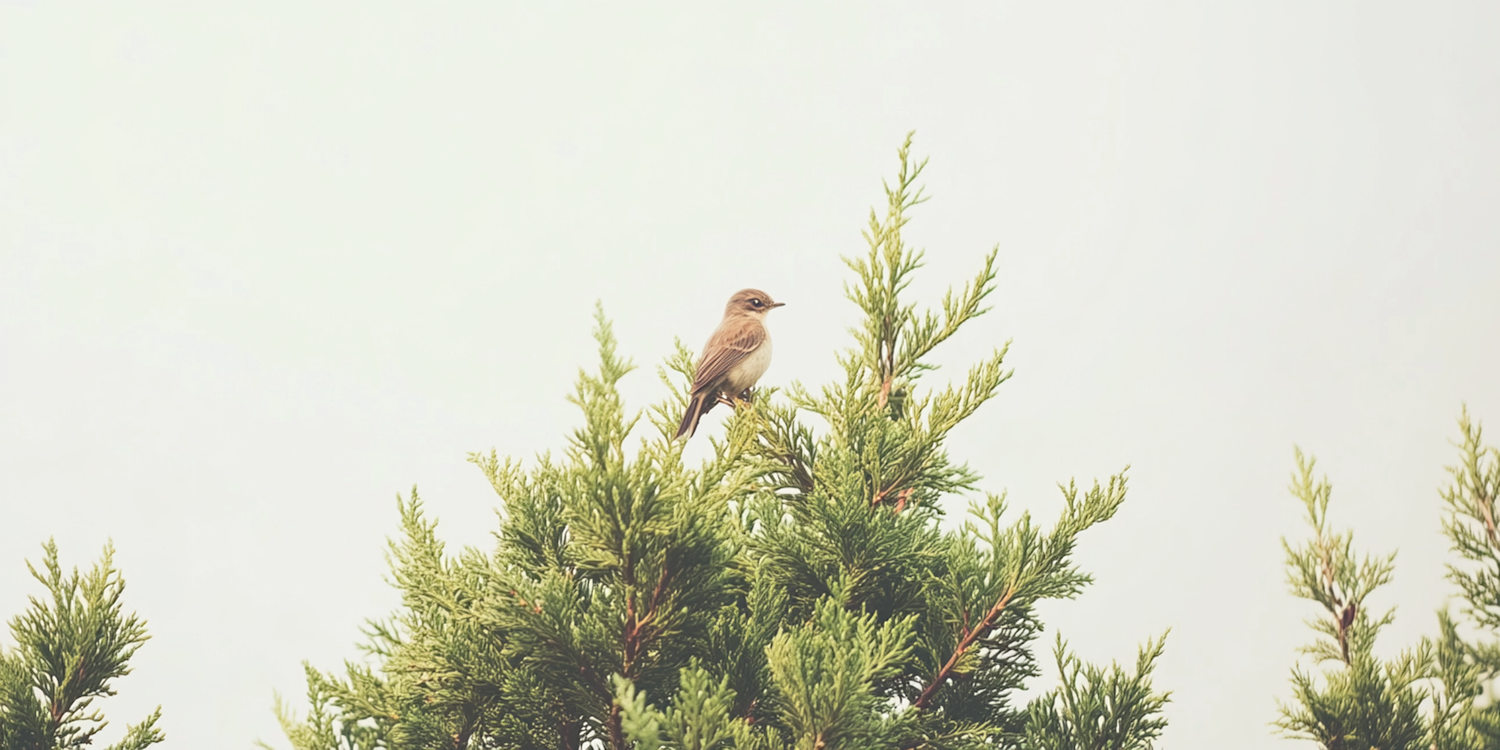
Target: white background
(262, 267)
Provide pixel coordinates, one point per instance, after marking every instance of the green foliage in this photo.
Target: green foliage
(794, 590)
(1471, 524)
(1435, 695)
(1099, 708)
(826, 671)
(70, 648)
(1464, 717)
(1362, 703)
(699, 718)
(1326, 571)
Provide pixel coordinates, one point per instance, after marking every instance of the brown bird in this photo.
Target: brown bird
(733, 359)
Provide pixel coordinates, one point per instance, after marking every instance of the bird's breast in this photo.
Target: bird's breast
(748, 371)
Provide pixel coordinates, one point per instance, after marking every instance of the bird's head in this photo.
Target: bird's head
(752, 302)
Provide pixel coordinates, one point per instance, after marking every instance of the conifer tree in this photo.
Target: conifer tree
(794, 590)
(70, 647)
(1438, 694)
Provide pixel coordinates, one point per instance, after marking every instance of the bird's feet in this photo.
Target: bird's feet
(745, 398)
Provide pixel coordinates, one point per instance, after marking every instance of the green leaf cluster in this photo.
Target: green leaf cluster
(70, 648)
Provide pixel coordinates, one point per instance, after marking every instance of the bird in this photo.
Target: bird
(734, 358)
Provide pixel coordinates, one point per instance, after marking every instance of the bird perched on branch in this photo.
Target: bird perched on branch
(733, 359)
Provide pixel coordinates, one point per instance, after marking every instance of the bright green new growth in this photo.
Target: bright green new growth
(795, 590)
(68, 652)
(1428, 697)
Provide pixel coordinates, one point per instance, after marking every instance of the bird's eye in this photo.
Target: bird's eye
(755, 302)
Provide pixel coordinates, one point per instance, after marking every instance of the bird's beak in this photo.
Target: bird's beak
(775, 305)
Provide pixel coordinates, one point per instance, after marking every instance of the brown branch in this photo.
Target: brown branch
(633, 638)
(627, 634)
(633, 635)
(902, 498)
(629, 623)
(616, 728)
(1346, 621)
(1484, 503)
(660, 591)
(885, 492)
(1343, 615)
(980, 629)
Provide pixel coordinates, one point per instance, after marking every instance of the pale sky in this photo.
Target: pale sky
(262, 267)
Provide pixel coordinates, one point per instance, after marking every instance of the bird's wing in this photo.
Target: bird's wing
(726, 348)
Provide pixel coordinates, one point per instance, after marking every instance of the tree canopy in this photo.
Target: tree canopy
(794, 590)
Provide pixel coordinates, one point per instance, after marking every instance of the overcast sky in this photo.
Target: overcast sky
(262, 267)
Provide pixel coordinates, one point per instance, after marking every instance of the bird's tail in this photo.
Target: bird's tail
(697, 407)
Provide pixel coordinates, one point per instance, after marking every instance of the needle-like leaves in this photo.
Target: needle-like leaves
(71, 647)
(794, 590)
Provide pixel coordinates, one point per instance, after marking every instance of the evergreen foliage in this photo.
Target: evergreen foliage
(1462, 717)
(1097, 708)
(1433, 695)
(70, 648)
(794, 590)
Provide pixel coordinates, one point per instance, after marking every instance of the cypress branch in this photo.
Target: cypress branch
(70, 648)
